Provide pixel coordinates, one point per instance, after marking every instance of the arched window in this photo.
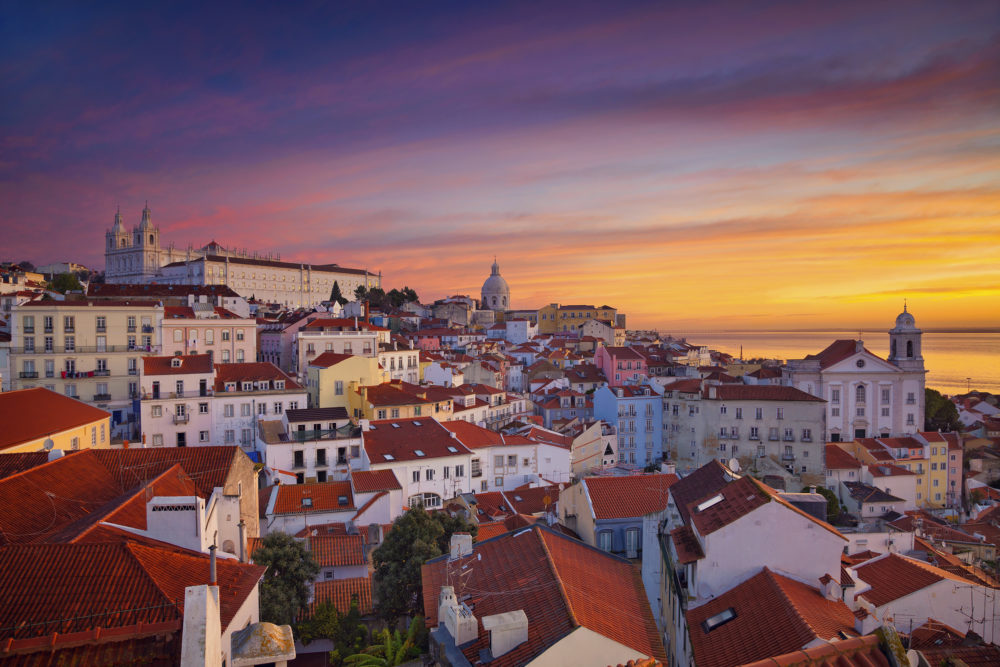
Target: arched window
(893, 353)
(123, 243)
(859, 394)
(909, 349)
(150, 238)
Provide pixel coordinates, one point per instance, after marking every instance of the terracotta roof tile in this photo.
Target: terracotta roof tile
(340, 592)
(337, 550)
(15, 463)
(328, 359)
(686, 545)
(856, 652)
(189, 365)
(400, 439)
(628, 496)
(560, 583)
(486, 531)
(473, 436)
(370, 481)
(761, 392)
(319, 497)
(253, 371)
(30, 414)
(893, 576)
(775, 615)
(838, 459)
(705, 481)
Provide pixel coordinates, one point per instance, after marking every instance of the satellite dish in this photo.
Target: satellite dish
(49, 444)
(734, 465)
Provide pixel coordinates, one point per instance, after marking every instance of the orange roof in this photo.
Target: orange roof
(369, 481)
(490, 530)
(337, 550)
(838, 459)
(319, 497)
(561, 584)
(106, 585)
(686, 545)
(836, 352)
(893, 576)
(474, 436)
(628, 496)
(761, 392)
(401, 439)
(856, 652)
(328, 359)
(251, 371)
(774, 615)
(340, 592)
(189, 364)
(14, 463)
(32, 414)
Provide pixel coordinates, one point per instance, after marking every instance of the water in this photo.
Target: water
(954, 361)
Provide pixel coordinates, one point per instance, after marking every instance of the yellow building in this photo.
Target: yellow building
(330, 375)
(87, 349)
(36, 420)
(554, 318)
(398, 400)
(929, 461)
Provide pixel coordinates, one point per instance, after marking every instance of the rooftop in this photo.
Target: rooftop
(620, 497)
(410, 439)
(32, 414)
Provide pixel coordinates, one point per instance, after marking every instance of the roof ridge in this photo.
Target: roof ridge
(574, 621)
(129, 547)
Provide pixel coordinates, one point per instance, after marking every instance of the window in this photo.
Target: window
(209, 337)
(807, 435)
(447, 472)
(885, 412)
(759, 413)
(50, 368)
(604, 540)
(29, 324)
(910, 399)
(49, 345)
(632, 543)
(781, 413)
(246, 436)
(157, 440)
(859, 395)
(70, 390)
(202, 436)
(225, 356)
(460, 471)
(416, 476)
(245, 410)
(227, 410)
(156, 411)
(69, 323)
(240, 356)
(834, 412)
(69, 343)
(180, 387)
(754, 433)
(512, 461)
(395, 413)
(498, 481)
(380, 414)
(293, 405)
(909, 419)
(203, 408)
(885, 396)
(230, 436)
(739, 413)
(338, 387)
(262, 408)
(429, 474)
(178, 336)
(225, 335)
(298, 458)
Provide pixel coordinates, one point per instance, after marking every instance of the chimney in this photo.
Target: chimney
(507, 631)
(201, 636)
(812, 488)
(212, 579)
(461, 545)
(456, 618)
(865, 621)
(364, 424)
(831, 588)
(243, 541)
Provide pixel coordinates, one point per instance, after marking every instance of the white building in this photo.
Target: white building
(309, 445)
(867, 396)
(247, 393)
(430, 462)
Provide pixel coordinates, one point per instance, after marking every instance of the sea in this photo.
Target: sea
(955, 361)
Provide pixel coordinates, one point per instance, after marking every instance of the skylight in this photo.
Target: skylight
(307, 502)
(723, 617)
(395, 425)
(453, 450)
(389, 457)
(416, 423)
(418, 452)
(714, 500)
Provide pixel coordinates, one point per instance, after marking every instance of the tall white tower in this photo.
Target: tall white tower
(904, 343)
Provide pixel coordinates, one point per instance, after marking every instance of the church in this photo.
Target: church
(135, 257)
(496, 291)
(867, 396)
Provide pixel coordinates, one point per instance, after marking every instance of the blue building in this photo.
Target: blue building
(637, 413)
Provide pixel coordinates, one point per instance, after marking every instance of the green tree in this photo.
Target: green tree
(65, 282)
(409, 294)
(391, 649)
(336, 296)
(284, 591)
(395, 298)
(360, 292)
(940, 414)
(832, 504)
(26, 266)
(451, 525)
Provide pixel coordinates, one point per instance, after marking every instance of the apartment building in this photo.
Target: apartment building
(203, 328)
(636, 413)
(88, 349)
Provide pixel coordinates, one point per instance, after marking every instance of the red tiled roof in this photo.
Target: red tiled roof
(691, 386)
(328, 359)
(624, 353)
(893, 576)
(760, 392)
(560, 583)
(189, 364)
(987, 655)
(836, 352)
(401, 438)
(775, 615)
(855, 652)
(739, 498)
(324, 497)
(486, 531)
(370, 481)
(340, 592)
(30, 414)
(533, 500)
(207, 466)
(933, 634)
(252, 371)
(629, 496)
(705, 481)
(337, 550)
(686, 545)
(15, 463)
(107, 585)
(838, 459)
(473, 436)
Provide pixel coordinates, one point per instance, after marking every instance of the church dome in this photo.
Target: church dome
(905, 321)
(496, 292)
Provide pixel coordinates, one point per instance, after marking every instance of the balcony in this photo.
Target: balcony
(28, 374)
(47, 330)
(29, 330)
(69, 329)
(773, 437)
(102, 397)
(130, 328)
(133, 371)
(147, 328)
(195, 393)
(101, 329)
(182, 419)
(789, 438)
(102, 373)
(788, 456)
(807, 438)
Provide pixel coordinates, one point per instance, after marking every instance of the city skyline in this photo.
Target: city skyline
(711, 166)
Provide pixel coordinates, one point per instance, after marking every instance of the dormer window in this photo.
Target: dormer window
(279, 384)
(230, 386)
(342, 501)
(723, 617)
(248, 386)
(307, 502)
(175, 362)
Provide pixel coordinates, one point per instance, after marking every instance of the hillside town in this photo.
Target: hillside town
(211, 456)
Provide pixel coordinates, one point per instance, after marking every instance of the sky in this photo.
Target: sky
(698, 165)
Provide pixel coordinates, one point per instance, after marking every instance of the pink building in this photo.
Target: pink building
(621, 365)
(206, 329)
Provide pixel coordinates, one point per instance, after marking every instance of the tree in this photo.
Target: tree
(415, 537)
(391, 649)
(832, 504)
(336, 296)
(346, 631)
(65, 282)
(284, 591)
(360, 292)
(940, 414)
(26, 266)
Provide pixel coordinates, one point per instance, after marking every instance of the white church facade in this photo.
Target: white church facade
(136, 257)
(867, 396)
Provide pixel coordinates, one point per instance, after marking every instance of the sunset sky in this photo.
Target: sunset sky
(697, 165)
